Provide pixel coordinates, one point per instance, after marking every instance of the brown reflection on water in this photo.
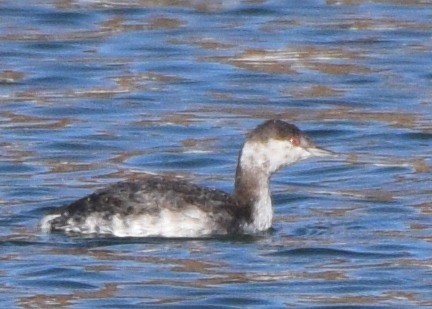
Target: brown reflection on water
(215, 272)
(221, 278)
(68, 167)
(425, 208)
(184, 118)
(21, 121)
(261, 60)
(161, 22)
(358, 2)
(206, 43)
(402, 120)
(109, 27)
(10, 76)
(198, 5)
(421, 166)
(418, 165)
(124, 82)
(176, 264)
(198, 145)
(359, 299)
(65, 300)
(397, 119)
(334, 68)
(119, 24)
(45, 301)
(125, 155)
(314, 91)
(19, 234)
(15, 152)
(376, 24)
(294, 59)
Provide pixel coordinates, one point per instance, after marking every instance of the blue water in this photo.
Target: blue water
(93, 92)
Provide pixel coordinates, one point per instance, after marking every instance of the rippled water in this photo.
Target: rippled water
(92, 92)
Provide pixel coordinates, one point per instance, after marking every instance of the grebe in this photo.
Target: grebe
(161, 207)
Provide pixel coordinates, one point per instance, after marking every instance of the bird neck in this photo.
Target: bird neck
(252, 190)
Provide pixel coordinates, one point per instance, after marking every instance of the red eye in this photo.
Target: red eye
(295, 140)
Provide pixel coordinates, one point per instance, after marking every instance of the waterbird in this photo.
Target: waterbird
(157, 206)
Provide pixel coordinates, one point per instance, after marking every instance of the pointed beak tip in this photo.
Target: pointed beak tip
(321, 152)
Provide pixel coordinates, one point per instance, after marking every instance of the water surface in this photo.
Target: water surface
(93, 92)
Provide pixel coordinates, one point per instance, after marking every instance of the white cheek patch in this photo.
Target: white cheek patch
(271, 155)
(282, 153)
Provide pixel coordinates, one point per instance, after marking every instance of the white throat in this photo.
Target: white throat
(262, 211)
(257, 162)
(252, 188)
